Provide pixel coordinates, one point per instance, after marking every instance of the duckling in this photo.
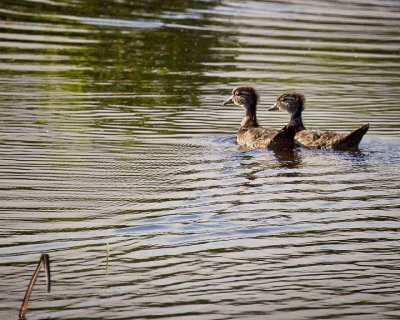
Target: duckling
(293, 103)
(250, 133)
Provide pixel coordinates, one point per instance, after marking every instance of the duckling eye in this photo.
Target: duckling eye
(236, 93)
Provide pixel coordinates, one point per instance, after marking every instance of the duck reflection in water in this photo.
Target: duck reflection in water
(258, 163)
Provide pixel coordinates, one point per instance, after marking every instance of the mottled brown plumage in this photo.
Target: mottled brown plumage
(293, 103)
(250, 133)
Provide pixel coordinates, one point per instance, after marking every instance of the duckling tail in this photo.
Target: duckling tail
(352, 140)
(284, 139)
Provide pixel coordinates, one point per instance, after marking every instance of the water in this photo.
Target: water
(112, 131)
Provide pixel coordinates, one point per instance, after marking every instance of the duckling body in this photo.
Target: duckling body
(250, 133)
(293, 104)
(266, 138)
(322, 139)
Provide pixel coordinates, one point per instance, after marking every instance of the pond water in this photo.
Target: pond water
(112, 132)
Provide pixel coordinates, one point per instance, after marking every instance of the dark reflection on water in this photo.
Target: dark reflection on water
(112, 131)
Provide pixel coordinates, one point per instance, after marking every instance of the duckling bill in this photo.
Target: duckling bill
(293, 104)
(250, 133)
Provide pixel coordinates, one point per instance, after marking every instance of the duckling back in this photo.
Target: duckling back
(323, 139)
(265, 138)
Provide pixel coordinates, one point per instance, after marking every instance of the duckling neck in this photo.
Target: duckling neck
(250, 120)
(297, 121)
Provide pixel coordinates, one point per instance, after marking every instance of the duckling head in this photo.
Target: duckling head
(246, 97)
(292, 103)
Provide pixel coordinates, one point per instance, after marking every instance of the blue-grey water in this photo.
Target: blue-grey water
(118, 160)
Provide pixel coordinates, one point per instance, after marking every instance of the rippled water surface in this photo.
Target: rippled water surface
(112, 131)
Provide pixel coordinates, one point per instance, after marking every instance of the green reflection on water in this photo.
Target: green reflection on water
(126, 55)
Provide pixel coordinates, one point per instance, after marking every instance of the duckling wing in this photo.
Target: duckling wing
(317, 139)
(322, 139)
(255, 137)
(267, 138)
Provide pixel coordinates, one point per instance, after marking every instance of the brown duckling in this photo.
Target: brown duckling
(250, 133)
(293, 103)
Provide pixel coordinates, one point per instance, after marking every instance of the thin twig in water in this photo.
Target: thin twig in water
(107, 255)
(45, 262)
